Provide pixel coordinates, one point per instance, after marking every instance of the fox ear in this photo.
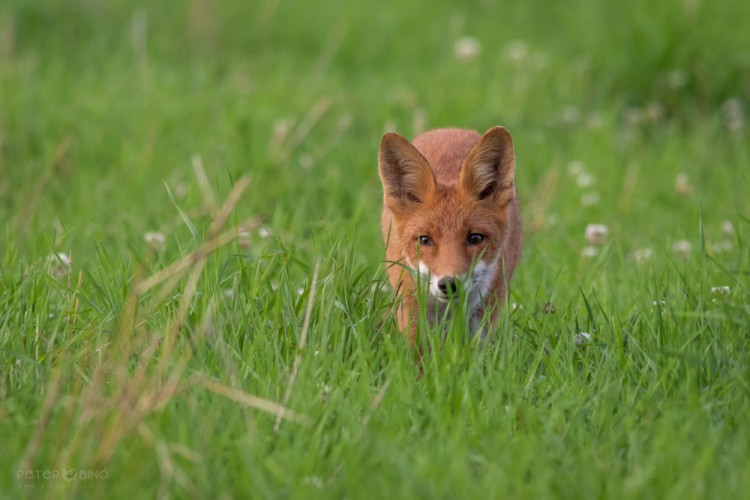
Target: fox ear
(407, 177)
(489, 169)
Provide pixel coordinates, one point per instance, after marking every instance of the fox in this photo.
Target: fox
(451, 215)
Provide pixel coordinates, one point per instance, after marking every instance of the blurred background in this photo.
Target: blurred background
(107, 106)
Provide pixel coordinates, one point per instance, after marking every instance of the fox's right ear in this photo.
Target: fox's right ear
(407, 177)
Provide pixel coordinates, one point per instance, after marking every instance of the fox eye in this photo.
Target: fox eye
(474, 239)
(424, 240)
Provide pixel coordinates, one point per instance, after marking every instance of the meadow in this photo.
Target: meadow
(192, 292)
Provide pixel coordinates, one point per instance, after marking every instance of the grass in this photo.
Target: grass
(253, 351)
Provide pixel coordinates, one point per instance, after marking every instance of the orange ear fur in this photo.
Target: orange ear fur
(408, 180)
(489, 169)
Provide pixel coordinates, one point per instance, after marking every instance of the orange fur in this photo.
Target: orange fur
(454, 188)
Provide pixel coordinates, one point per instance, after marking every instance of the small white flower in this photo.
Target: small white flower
(306, 161)
(155, 240)
(467, 48)
(282, 127)
(59, 264)
(682, 248)
(720, 290)
(722, 246)
(570, 115)
(589, 199)
(589, 252)
(61, 257)
(633, 115)
(584, 180)
(229, 293)
(727, 227)
(582, 338)
(733, 111)
(677, 78)
(596, 233)
(243, 239)
(641, 254)
(576, 168)
(659, 303)
(516, 50)
(264, 232)
(315, 481)
(682, 184)
(595, 120)
(181, 190)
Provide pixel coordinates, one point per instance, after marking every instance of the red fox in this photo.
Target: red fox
(451, 214)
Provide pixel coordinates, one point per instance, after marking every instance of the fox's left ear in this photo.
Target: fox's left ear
(489, 169)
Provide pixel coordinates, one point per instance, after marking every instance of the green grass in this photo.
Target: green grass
(123, 376)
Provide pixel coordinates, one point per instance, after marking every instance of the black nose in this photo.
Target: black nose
(448, 286)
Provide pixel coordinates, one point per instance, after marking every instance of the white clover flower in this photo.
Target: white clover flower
(306, 161)
(315, 481)
(721, 246)
(733, 112)
(588, 199)
(467, 48)
(584, 180)
(682, 185)
(59, 264)
(181, 190)
(677, 78)
(595, 120)
(582, 338)
(655, 111)
(516, 50)
(596, 233)
(634, 115)
(641, 254)
(589, 252)
(727, 227)
(576, 168)
(243, 239)
(570, 115)
(282, 127)
(720, 290)
(682, 248)
(264, 232)
(155, 240)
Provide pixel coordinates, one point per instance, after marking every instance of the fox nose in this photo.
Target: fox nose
(448, 286)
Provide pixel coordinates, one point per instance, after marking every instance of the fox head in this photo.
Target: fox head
(449, 217)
